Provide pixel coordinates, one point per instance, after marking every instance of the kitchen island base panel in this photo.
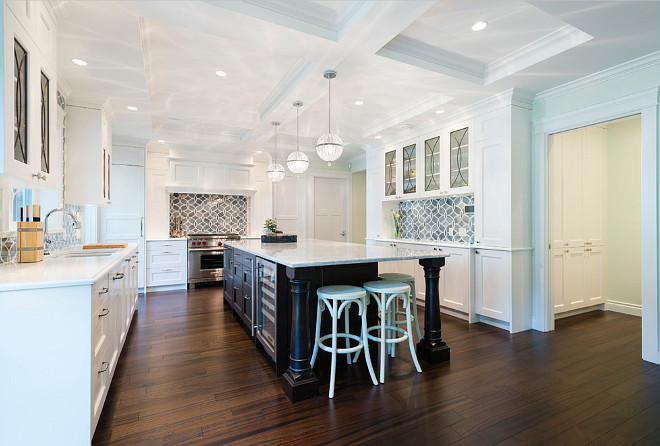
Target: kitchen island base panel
(431, 348)
(300, 387)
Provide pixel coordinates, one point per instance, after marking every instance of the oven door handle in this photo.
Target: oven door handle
(212, 250)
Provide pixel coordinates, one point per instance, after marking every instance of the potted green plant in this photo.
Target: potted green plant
(270, 226)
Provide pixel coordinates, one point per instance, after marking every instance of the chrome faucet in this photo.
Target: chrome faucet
(47, 240)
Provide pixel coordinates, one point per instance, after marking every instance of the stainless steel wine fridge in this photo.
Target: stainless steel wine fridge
(266, 307)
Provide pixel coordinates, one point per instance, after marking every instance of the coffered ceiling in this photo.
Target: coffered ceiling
(404, 60)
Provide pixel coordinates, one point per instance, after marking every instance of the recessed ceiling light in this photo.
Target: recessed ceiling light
(259, 151)
(80, 62)
(221, 73)
(439, 112)
(479, 26)
(377, 136)
(131, 108)
(160, 140)
(359, 102)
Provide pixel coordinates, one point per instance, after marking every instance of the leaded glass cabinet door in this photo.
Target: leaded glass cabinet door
(458, 159)
(390, 173)
(20, 103)
(410, 169)
(432, 164)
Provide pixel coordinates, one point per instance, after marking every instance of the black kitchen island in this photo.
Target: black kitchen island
(306, 265)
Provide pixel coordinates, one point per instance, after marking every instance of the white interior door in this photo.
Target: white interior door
(124, 219)
(330, 209)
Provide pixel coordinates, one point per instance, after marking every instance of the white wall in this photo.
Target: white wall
(624, 207)
(359, 207)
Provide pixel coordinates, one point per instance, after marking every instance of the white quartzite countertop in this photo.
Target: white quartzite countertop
(312, 252)
(59, 271)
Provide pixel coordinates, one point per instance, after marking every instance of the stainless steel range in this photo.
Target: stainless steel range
(206, 256)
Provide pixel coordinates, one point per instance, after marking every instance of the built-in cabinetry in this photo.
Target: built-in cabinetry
(88, 156)
(114, 301)
(63, 323)
(167, 264)
(577, 212)
(432, 165)
(455, 283)
(256, 291)
(30, 104)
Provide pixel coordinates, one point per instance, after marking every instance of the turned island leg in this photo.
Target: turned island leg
(431, 348)
(299, 381)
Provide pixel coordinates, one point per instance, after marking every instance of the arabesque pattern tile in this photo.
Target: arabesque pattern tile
(438, 219)
(209, 213)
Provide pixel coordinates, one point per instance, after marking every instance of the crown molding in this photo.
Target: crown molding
(92, 101)
(298, 71)
(308, 17)
(63, 86)
(129, 141)
(624, 69)
(511, 97)
(425, 103)
(415, 52)
(541, 49)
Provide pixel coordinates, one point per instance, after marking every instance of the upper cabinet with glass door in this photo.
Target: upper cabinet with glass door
(459, 161)
(400, 164)
(30, 155)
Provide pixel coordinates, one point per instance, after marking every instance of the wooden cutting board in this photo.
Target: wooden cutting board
(106, 245)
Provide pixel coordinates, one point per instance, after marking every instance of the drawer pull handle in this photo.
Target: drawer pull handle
(104, 291)
(104, 312)
(118, 276)
(127, 260)
(104, 367)
(166, 269)
(167, 252)
(167, 244)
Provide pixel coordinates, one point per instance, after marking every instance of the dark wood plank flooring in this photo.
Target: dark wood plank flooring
(189, 374)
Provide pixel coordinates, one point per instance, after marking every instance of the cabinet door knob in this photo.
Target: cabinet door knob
(118, 276)
(476, 252)
(104, 312)
(103, 291)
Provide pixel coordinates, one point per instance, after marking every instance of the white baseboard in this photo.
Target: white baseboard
(622, 307)
(577, 311)
(152, 289)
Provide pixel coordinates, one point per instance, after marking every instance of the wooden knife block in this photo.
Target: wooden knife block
(30, 242)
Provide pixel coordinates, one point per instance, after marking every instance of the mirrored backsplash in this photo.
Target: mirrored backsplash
(447, 219)
(209, 213)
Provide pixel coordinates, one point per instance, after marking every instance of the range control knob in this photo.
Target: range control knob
(194, 242)
(204, 242)
(219, 243)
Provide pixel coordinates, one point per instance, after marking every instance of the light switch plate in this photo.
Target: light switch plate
(450, 231)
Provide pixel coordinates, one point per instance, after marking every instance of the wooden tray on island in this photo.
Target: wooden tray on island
(106, 245)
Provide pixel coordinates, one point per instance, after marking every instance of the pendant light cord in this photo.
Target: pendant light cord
(297, 132)
(329, 104)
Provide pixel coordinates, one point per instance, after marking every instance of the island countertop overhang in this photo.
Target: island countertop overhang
(312, 252)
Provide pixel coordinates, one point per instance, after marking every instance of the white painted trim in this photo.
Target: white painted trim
(425, 103)
(291, 79)
(179, 189)
(513, 96)
(646, 104)
(623, 69)
(625, 308)
(541, 49)
(565, 314)
(152, 289)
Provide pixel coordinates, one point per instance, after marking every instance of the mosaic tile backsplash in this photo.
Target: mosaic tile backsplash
(209, 213)
(438, 219)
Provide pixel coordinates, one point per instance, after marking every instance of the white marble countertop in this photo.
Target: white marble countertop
(447, 244)
(160, 239)
(60, 271)
(310, 252)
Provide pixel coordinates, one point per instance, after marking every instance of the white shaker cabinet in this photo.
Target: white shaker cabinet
(29, 152)
(167, 264)
(457, 274)
(88, 156)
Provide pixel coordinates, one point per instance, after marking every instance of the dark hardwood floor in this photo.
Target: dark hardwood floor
(189, 374)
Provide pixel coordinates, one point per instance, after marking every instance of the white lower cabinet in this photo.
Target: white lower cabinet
(167, 263)
(578, 277)
(492, 283)
(503, 288)
(113, 305)
(456, 274)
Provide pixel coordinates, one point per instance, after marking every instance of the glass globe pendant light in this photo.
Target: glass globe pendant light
(329, 146)
(275, 171)
(297, 162)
